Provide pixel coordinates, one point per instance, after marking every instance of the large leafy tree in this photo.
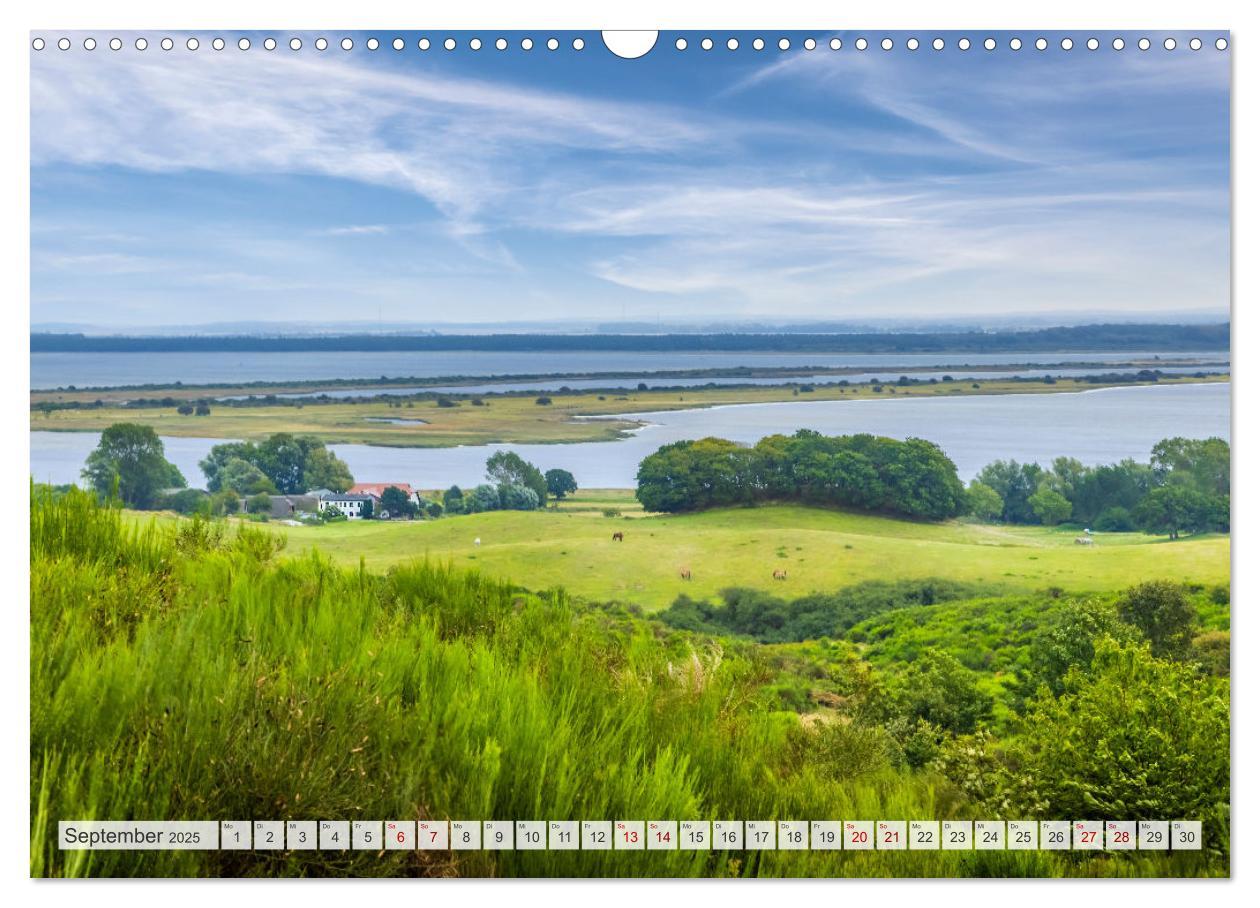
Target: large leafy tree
(1201, 463)
(133, 457)
(1016, 483)
(1173, 510)
(292, 464)
(397, 502)
(507, 468)
(243, 477)
(560, 483)
(325, 470)
(1051, 507)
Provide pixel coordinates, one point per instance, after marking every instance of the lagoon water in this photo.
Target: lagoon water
(1100, 426)
(92, 370)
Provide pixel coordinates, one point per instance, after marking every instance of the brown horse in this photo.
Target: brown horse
(780, 574)
(619, 536)
(685, 573)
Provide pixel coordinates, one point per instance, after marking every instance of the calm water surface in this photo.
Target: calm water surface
(1101, 426)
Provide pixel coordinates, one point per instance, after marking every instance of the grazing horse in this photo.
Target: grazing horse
(780, 574)
(619, 536)
(685, 573)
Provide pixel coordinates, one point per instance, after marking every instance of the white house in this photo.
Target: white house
(348, 503)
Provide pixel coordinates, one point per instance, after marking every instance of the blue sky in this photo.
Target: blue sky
(178, 187)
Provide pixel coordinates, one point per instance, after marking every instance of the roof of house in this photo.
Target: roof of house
(376, 488)
(347, 496)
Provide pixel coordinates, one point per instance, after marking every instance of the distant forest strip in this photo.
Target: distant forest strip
(1076, 338)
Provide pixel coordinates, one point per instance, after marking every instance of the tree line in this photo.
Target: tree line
(912, 478)
(1184, 488)
(1056, 339)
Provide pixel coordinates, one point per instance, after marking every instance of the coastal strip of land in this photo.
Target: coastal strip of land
(444, 420)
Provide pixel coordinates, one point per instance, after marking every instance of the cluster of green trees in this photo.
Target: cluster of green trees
(514, 484)
(282, 464)
(1183, 489)
(911, 477)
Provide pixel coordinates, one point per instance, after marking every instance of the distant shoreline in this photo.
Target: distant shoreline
(1080, 339)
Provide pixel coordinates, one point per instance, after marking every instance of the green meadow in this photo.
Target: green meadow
(203, 670)
(821, 549)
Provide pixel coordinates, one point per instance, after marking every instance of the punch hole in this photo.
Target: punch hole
(810, 43)
(217, 44)
(1016, 44)
(630, 45)
(167, 44)
(89, 44)
(836, 43)
(38, 44)
(192, 44)
(860, 44)
(912, 43)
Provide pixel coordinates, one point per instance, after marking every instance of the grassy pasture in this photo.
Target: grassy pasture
(820, 549)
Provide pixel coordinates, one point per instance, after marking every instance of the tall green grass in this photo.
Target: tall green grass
(195, 674)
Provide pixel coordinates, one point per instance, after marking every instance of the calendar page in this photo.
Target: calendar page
(704, 453)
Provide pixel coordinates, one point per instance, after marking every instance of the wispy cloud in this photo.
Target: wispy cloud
(816, 184)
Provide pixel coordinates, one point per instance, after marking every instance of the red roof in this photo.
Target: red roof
(377, 488)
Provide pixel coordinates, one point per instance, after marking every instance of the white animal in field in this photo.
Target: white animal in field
(1084, 540)
(477, 541)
